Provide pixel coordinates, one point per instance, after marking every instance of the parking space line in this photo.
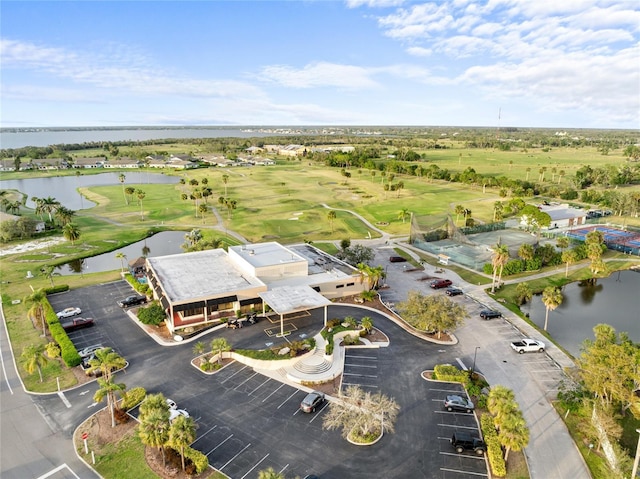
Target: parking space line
(360, 357)
(283, 469)
(231, 460)
(250, 377)
(205, 433)
(474, 428)
(461, 455)
(318, 414)
(459, 471)
(239, 371)
(281, 386)
(267, 380)
(358, 384)
(219, 445)
(360, 375)
(453, 412)
(256, 465)
(446, 390)
(362, 365)
(292, 394)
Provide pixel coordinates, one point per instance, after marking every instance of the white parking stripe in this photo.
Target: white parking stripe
(360, 375)
(205, 433)
(292, 394)
(447, 390)
(283, 469)
(257, 464)
(239, 371)
(359, 357)
(250, 377)
(251, 393)
(231, 460)
(362, 365)
(474, 428)
(318, 414)
(475, 456)
(219, 445)
(282, 385)
(358, 384)
(463, 472)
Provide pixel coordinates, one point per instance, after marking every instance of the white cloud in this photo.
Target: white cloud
(419, 51)
(320, 74)
(374, 3)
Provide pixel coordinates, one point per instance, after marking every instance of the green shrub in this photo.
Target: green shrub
(153, 314)
(494, 451)
(208, 367)
(61, 288)
(328, 349)
(351, 340)
(133, 397)
(199, 460)
(447, 372)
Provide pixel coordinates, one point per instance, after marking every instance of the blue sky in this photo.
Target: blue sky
(540, 63)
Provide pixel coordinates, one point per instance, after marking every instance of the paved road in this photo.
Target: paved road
(31, 445)
(534, 378)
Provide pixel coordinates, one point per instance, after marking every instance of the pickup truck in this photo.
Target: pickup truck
(77, 323)
(528, 346)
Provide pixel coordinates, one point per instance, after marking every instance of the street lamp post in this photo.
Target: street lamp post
(473, 368)
(634, 472)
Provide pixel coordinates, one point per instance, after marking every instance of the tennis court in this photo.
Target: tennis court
(614, 238)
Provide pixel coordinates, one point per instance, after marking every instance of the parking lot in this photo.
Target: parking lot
(247, 422)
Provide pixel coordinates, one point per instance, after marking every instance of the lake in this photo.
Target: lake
(65, 188)
(46, 137)
(614, 300)
(161, 244)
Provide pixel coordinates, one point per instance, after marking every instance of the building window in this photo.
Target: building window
(338, 286)
(350, 284)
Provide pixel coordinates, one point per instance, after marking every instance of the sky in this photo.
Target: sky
(520, 63)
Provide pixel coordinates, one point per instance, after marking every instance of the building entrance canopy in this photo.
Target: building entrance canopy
(292, 299)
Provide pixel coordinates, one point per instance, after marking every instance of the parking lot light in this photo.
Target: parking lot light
(473, 368)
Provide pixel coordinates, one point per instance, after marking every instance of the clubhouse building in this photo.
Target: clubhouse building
(207, 286)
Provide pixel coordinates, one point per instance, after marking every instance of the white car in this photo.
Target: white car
(68, 312)
(172, 404)
(175, 413)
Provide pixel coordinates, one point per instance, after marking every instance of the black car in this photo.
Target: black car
(463, 441)
(77, 323)
(453, 291)
(490, 314)
(397, 259)
(132, 301)
(458, 403)
(312, 401)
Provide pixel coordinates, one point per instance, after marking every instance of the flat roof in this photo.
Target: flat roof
(266, 254)
(290, 299)
(201, 274)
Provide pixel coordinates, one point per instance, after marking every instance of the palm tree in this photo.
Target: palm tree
(37, 299)
(270, 473)
(198, 348)
(182, 432)
(523, 293)
(458, 211)
(562, 242)
(121, 256)
(514, 434)
(106, 360)
(203, 210)
(498, 208)
(501, 403)
(154, 428)
(367, 324)
(141, 194)
(129, 191)
(48, 271)
(33, 358)
(403, 213)
(71, 232)
(225, 180)
(220, 345)
(49, 205)
(498, 260)
(121, 178)
(231, 205)
(399, 186)
(331, 216)
(569, 257)
(64, 215)
(552, 298)
(108, 389)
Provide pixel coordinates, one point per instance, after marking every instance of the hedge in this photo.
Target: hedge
(68, 351)
(494, 450)
(199, 460)
(141, 288)
(57, 289)
(447, 372)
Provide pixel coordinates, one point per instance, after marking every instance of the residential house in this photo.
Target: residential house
(124, 162)
(87, 163)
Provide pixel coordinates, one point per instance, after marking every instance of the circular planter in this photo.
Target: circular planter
(355, 443)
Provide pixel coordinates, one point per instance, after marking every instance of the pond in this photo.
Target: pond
(614, 300)
(164, 243)
(65, 188)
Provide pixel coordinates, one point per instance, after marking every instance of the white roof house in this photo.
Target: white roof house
(205, 286)
(562, 216)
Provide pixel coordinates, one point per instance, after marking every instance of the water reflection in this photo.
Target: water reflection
(161, 244)
(613, 300)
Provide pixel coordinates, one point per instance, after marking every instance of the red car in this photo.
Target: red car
(77, 323)
(440, 283)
